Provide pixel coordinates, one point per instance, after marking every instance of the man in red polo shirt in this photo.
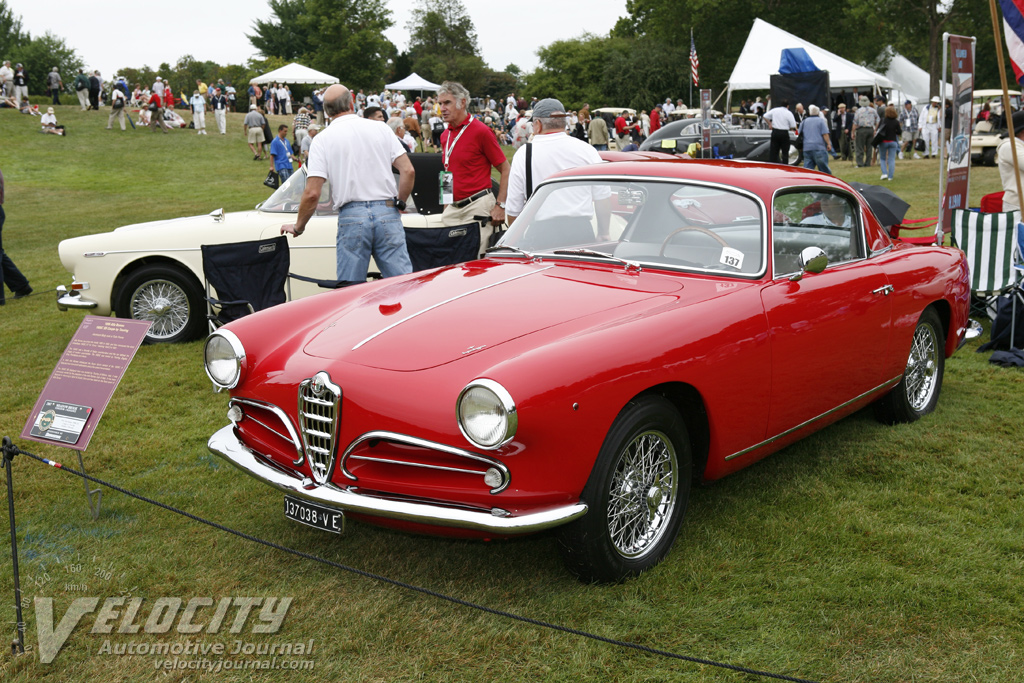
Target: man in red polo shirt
(469, 150)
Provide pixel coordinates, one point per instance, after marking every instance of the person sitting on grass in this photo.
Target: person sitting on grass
(49, 123)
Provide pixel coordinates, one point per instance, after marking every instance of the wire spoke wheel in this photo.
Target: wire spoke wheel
(917, 392)
(168, 297)
(922, 368)
(643, 494)
(164, 304)
(636, 494)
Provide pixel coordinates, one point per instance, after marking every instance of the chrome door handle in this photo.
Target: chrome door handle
(884, 291)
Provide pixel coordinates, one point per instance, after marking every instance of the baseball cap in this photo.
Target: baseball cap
(548, 108)
(252, 106)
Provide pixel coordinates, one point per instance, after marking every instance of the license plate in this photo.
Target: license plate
(314, 515)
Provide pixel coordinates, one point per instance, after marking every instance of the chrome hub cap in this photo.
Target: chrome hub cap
(921, 375)
(643, 494)
(164, 304)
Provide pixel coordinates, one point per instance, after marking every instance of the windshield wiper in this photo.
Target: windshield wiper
(506, 247)
(630, 265)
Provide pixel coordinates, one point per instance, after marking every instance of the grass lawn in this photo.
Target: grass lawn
(863, 553)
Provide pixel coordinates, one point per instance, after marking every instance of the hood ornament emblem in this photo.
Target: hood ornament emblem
(471, 349)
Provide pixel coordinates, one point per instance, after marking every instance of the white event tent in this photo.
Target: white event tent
(413, 82)
(913, 81)
(295, 73)
(762, 54)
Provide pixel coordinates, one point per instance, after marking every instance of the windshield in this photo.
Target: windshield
(286, 198)
(658, 224)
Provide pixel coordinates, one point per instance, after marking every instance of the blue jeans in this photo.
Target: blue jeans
(601, 148)
(887, 157)
(366, 228)
(9, 272)
(817, 158)
(284, 173)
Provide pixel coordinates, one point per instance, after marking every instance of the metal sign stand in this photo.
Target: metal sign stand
(9, 450)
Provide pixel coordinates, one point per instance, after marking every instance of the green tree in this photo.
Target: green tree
(11, 36)
(344, 38)
(574, 71)
(287, 37)
(40, 55)
(442, 44)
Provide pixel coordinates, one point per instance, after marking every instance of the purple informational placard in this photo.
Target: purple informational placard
(74, 398)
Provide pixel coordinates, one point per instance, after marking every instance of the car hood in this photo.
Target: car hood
(434, 318)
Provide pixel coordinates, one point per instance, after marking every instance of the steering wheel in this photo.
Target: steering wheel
(696, 228)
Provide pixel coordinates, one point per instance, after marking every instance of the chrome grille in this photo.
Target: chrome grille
(319, 405)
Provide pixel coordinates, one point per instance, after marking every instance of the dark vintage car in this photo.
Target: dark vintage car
(739, 143)
(643, 325)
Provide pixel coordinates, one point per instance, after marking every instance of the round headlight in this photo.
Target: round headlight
(223, 356)
(487, 414)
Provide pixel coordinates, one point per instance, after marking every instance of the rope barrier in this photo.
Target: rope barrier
(9, 447)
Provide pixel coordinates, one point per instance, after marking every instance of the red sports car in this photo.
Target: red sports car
(641, 326)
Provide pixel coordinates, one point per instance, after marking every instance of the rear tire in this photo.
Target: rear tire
(166, 296)
(988, 156)
(918, 391)
(637, 495)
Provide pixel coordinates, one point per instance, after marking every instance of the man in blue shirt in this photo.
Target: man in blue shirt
(281, 153)
(817, 143)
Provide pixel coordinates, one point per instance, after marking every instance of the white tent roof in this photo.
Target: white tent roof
(295, 73)
(913, 81)
(763, 51)
(413, 82)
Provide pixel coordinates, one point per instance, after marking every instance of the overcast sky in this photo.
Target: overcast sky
(113, 34)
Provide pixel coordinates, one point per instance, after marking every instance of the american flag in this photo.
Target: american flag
(1013, 26)
(695, 63)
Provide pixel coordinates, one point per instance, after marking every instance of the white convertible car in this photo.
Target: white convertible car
(153, 271)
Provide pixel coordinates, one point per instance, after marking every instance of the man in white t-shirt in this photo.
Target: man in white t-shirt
(355, 156)
(553, 150)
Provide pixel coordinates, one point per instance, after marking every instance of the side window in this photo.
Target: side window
(824, 219)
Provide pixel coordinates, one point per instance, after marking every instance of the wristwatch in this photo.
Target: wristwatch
(400, 205)
(501, 205)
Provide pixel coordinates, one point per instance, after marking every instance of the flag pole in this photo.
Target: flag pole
(1007, 112)
(690, 105)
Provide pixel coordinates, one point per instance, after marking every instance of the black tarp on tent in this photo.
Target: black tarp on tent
(799, 80)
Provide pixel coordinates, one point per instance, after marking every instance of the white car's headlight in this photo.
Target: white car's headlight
(223, 356)
(487, 414)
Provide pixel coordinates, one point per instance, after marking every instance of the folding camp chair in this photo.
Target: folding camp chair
(249, 277)
(988, 240)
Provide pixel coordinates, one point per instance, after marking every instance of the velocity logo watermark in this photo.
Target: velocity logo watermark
(129, 615)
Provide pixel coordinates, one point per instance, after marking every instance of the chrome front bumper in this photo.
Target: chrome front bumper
(72, 299)
(225, 444)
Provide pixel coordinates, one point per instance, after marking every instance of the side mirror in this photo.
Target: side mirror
(218, 215)
(812, 260)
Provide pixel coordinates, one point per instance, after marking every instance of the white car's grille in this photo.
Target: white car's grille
(319, 407)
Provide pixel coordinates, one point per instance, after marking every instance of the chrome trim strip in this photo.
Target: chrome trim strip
(445, 302)
(775, 438)
(281, 415)
(149, 250)
(415, 464)
(225, 444)
(429, 445)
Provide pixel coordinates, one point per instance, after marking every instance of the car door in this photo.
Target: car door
(829, 332)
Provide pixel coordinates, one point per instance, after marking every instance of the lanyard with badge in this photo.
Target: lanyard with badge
(446, 178)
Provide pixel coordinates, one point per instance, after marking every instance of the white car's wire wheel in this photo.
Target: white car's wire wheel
(167, 297)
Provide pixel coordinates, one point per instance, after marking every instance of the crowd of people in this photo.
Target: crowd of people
(853, 130)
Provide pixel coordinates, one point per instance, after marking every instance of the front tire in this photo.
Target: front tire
(167, 297)
(917, 393)
(637, 494)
